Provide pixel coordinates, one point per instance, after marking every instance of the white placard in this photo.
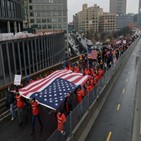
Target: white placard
(17, 79)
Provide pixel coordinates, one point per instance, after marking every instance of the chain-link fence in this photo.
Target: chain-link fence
(80, 110)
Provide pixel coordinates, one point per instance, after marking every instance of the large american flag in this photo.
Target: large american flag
(51, 90)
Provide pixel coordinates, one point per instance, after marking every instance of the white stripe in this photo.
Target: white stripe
(74, 78)
(82, 80)
(48, 83)
(37, 81)
(45, 80)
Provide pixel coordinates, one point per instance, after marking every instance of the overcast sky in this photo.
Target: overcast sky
(75, 6)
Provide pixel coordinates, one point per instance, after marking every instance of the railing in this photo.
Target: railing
(79, 112)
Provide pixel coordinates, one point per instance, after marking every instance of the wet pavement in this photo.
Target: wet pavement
(115, 121)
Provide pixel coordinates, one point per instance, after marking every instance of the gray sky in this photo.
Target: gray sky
(75, 6)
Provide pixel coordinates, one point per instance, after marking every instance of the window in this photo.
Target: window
(31, 14)
(31, 20)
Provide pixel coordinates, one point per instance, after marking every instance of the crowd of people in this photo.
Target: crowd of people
(106, 56)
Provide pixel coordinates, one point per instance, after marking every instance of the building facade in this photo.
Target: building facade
(107, 22)
(124, 21)
(28, 55)
(11, 15)
(118, 7)
(88, 19)
(139, 15)
(47, 14)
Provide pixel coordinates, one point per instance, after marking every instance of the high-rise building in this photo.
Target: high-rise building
(139, 14)
(11, 15)
(118, 7)
(107, 22)
(88, 19)
(47, 14)
(124, 20)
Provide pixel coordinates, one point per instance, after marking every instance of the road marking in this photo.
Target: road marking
(109, 136)
(118, 107)
(123, 91)
(126, 80)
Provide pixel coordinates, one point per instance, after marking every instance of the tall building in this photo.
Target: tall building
(88, 19)
(118, 7)
(124, 20)
(11, 15)
(139, 14)
(107, 22)
(47, 14)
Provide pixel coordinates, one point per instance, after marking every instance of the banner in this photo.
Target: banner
(17, 79)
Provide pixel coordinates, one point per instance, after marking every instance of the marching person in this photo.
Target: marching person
(35, 113)
(67, 104)
(10, 102)
(20, 106)
(79, 94)
(61, 119)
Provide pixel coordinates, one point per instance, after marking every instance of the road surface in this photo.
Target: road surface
(115, 121)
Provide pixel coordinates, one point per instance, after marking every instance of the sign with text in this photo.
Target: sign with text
(17, 79)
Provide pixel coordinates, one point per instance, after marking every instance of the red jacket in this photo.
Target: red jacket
(35, 108)
(19, 100)
(61, 119)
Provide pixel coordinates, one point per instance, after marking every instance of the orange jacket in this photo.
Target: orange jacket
(80, 95)
(61, 119)
(35, 108)
(20, 103)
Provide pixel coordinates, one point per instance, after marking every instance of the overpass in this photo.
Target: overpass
(81, 120)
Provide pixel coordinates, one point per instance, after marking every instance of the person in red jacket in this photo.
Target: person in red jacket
(35, 113)
(79, 94)
(61, 119)
(20, 105)
(100, 73)
(88, 87)
(87, 71)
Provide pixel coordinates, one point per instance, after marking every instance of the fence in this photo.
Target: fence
(79, 112)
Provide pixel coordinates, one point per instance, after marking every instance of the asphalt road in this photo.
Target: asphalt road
(115, 121)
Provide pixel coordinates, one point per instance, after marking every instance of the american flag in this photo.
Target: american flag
(92, 54)
(51, 90)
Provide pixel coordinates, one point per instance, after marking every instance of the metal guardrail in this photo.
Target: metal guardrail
(80, 111)
(3, 90)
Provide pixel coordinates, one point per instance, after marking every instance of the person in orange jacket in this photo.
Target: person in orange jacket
(87, 71)
(100, 73)
(35, 113)
(20, 105)
(76, 69)
(79, 94)
(96, 78)
(61, 119)
(88, 87)
(92, 81)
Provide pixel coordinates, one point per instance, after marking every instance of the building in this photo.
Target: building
(28, 55)
(139, 14)
(11, 15)
(107, 22)
(118, 7)
(124, 20)
(47, 14)
(87, 20)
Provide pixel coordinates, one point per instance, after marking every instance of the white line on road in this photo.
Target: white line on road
(123, 91)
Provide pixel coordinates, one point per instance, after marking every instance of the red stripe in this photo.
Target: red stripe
(44, 79)
(37, 88)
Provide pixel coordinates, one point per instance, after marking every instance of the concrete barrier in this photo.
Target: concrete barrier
(82, 129)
